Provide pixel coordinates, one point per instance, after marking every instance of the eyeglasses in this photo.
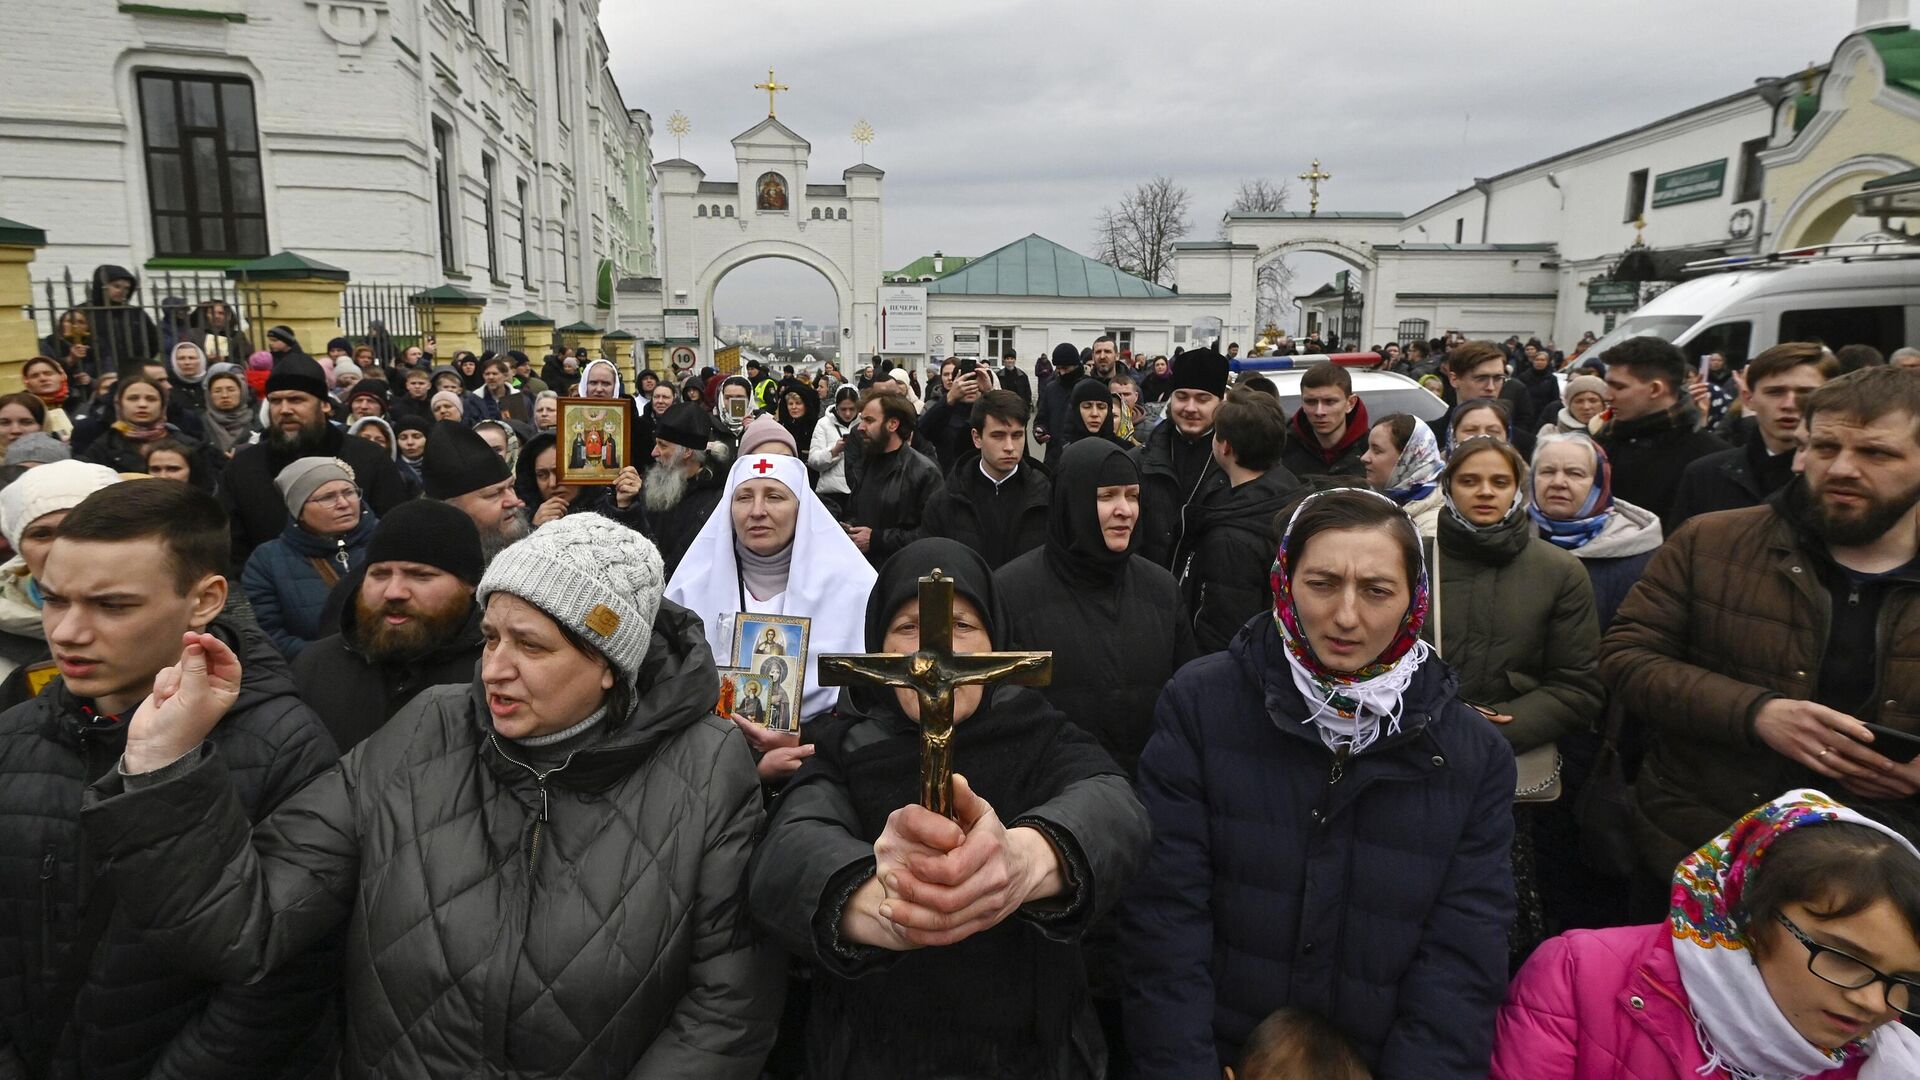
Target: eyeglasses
(338, 498)
(1852, 973)
(1486, 380)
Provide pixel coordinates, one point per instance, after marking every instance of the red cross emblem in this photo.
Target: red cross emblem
(763, 466)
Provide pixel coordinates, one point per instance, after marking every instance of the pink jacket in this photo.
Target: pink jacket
(1603, 1005)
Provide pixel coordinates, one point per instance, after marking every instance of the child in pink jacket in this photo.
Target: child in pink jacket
(1795, 966)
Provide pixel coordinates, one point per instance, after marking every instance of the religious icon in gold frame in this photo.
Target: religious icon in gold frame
(594, 440)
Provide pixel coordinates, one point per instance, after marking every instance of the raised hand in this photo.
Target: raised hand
(188, 700)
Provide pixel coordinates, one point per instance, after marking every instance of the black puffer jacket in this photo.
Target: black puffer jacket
(1225, 563)
(586, 921)
(1650, 455)
(892, 497)
(355, 696)
(138, 1013)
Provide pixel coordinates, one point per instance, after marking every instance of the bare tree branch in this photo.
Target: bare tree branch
(1137, 234)
(1273, 281)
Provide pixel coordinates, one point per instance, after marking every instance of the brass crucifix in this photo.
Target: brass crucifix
(934, 672)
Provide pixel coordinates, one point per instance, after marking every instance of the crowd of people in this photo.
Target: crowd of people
(1570, 735)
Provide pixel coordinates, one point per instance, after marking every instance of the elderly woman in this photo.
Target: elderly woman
(1403, 463)
(1791, 951)
(1574, 509)
(1330, 824)
(771, 547)
(947, 947)
(287, 579)
(538, 873)
(1584, 398)
(448, 405)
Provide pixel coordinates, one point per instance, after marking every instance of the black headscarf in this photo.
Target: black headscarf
(899, 581)
(801, 429)
(1089, 389)
(1076, 550)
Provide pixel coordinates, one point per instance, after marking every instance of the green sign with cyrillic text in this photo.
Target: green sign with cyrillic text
(1690, 184)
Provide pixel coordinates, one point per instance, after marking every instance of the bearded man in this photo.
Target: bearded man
(412, 623)
(298, 406)
(685, 481)
(461, 470)
(1761, 642)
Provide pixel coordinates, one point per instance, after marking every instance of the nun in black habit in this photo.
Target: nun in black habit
(851, 868)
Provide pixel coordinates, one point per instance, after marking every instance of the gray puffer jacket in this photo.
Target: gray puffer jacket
(585, 921)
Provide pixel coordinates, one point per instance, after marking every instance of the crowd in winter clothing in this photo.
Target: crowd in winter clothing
(367, 715)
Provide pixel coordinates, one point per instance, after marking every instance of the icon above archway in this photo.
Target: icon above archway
(771, 192)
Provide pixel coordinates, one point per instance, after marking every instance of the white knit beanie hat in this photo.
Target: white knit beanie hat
(592, 575)
(60, 485)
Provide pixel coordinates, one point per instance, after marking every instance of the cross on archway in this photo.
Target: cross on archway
(773, 88)
(1312, 176)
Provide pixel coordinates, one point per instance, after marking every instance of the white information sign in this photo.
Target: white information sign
(903, 319)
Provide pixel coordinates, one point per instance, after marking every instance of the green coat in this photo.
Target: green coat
(1518, 623)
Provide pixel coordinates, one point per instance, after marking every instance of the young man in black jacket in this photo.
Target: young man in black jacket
(1653, 431)
(1225, 561)
(996, 498)
(1777, 385)
(135, 566)
(1177, 469)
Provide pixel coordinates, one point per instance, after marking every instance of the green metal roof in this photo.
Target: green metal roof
(923, 267)
(526, 318)
(1911, 176)
(286, 266)
(452, 295)
(580, 328)
(1899, 50)
(619, 335)
(1036, 266)
(14, 232)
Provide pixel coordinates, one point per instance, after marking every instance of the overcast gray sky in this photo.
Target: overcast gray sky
(997, 118)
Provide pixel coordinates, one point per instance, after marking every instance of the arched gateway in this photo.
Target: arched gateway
(770, 211)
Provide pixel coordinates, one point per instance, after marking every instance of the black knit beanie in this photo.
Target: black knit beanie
(298, 372)
(432, 534)
(458, 461)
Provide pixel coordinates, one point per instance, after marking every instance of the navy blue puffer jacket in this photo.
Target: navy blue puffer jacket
(286, 589)
(1376, 893)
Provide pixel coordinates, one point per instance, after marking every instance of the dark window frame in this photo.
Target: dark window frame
(190, 214)
(443, 185)
(489, 172)
(526, 245)
(1637, 184)
(1753, 174)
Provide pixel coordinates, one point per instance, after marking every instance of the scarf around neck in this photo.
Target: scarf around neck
(1740, 1028)
(140, 434)
(1349, 709)
(1592, 517)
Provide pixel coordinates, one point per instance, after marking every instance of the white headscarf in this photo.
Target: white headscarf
(610, 367)
(827, 578)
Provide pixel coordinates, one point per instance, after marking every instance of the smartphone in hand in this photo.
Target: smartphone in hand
(1894, 744)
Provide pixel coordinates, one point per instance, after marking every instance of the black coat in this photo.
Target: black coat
(1016, 380)
(1731, 479)
(138, 1014)
(355, 696)
(673, 529)
(123, 335)
(957, 511)
(1164, 501)
(1225, 563)
(585, 921)
(947, 429)
(1009, 1001)
(1649, 455)
(892, 497)
(254, 506)
(1376, 893)
(1114, 648)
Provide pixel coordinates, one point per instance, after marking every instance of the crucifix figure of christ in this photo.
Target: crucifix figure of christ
(934, 673)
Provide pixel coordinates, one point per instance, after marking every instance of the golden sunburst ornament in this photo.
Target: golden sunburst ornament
(679, 127)
(863, 134)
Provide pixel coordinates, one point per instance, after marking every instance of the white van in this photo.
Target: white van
(1843, 294)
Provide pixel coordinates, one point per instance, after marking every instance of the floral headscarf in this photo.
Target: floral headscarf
(1593, 514)
(1348, 708)
(1417, 472)
(1739, 1027)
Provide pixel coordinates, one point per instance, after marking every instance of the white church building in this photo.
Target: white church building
(480, 143)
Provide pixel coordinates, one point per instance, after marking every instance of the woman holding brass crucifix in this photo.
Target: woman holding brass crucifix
(947, 946)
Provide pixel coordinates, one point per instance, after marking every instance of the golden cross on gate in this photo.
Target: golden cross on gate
(771, 88)
(1313, 177)
(934, 673)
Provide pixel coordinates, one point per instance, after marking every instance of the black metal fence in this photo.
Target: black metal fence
(96, 326)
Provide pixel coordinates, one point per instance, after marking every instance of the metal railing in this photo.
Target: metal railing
(93, 327)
